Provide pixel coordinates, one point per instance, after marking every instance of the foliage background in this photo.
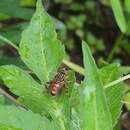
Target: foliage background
(90, 20)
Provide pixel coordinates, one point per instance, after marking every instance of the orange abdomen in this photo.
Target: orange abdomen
(55, 87)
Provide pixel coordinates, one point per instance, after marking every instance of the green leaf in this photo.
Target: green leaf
(29, 91)
(71, 116)
(8, 127)
(67, 95)
(28, 3)
(127, 99)
(114, 93)
(119, 16)
(76, 124)
(22, 119)
(68, 102)
(127, 5)
(13, 33)
(3, 16)
(2, 99)
(39, 47)
(15, 10)
(95, 113)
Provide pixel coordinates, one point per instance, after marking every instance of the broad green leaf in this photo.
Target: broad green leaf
(22, 119)
(29, 91)
(8, 127)
(15, 10)
(114, 94)
(39, 47)
(95, 113)
(119, 16)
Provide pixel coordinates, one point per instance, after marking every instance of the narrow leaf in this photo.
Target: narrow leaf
(67, 108)
(71, 115)
(95, 114)
(15, 11)
(39, 47)
(119, 16)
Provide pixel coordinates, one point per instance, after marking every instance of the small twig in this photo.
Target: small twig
(117, 81)
(8, 41)
(74, 66)
(11, 98)
(126, 102)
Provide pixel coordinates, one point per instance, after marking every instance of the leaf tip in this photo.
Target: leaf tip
(39, 4)
(85, 47)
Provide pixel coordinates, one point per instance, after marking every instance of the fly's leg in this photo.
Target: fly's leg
(47, 87)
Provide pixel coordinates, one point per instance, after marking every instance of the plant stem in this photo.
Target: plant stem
(8, 41)
(11, 98)
(126, 102)
(116, 45)
(117, 81)
(74, 66)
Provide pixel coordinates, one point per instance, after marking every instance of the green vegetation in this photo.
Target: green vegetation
(40, 47)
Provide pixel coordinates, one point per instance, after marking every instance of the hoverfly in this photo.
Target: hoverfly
(58, 82)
